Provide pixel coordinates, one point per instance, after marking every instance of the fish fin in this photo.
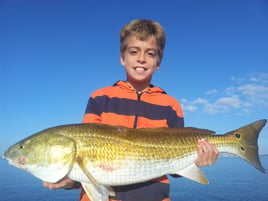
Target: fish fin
(247, 141)
(80, 162)
(110, 190)
(198, 131)
(194, 173)
(94, 190)
(96, 193)
(179, 131)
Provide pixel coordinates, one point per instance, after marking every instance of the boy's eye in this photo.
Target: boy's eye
(151, 54)
(132, 52)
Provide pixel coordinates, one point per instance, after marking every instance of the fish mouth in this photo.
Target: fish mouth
(17, 165)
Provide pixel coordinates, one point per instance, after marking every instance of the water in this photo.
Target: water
(230, 179)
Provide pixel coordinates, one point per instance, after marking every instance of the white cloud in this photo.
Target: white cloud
(200, 101)
(257, 78)
(239, 98)
(255, 93)
(184, 100)
(227, 102)
(211, 92)
(230, 91)
(210, 109)
(253, 79)
(223, 105)
(189, 108)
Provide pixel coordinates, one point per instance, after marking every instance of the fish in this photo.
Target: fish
(100, 156)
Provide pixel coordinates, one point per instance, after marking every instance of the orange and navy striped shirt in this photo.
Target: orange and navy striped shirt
(122, 105)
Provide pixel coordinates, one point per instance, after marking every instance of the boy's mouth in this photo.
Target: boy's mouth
(140, 69)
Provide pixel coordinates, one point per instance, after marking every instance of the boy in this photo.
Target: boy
(135, 103)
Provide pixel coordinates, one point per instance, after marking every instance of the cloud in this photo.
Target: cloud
(225, 103)
(200, 101)
(211, 92)
(190, 108)
(257, 94)
(239, 98)
(220, 105)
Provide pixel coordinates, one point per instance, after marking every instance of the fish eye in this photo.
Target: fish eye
(21, 146)
(237, 135)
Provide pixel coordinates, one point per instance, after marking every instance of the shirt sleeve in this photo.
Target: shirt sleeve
(176, 117)
(92, 114)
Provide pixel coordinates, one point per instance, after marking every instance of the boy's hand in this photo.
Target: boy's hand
(207, 153)
(64, 183)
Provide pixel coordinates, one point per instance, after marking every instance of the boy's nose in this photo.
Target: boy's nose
(141, 58)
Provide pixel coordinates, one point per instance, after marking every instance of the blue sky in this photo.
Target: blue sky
(54, 54)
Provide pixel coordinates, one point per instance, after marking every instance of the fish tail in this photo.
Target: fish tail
(247, 143)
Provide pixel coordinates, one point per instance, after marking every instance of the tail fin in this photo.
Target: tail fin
(247, 137)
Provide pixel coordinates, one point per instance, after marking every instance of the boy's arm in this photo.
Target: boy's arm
(92, 114)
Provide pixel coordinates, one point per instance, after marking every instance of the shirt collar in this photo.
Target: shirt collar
(128, 86)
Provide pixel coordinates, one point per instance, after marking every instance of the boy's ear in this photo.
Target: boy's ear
(158, 65)
(122, 60)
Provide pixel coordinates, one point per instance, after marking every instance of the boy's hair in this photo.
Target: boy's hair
(143, 29)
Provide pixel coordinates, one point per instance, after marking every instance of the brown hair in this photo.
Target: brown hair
(143, 29)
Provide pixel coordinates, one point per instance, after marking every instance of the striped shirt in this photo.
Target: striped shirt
(122, 105)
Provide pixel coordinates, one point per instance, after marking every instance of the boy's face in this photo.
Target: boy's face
(140, 60)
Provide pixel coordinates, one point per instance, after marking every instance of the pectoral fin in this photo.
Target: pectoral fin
(94, 190)
(96, 193)
(194, 173)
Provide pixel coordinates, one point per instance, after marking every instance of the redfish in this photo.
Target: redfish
(100, 156)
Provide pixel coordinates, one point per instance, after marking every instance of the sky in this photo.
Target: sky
(55, 53)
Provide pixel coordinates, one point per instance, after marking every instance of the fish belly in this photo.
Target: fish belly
(131, 171)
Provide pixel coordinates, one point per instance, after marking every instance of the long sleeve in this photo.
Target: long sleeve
(92, 114)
